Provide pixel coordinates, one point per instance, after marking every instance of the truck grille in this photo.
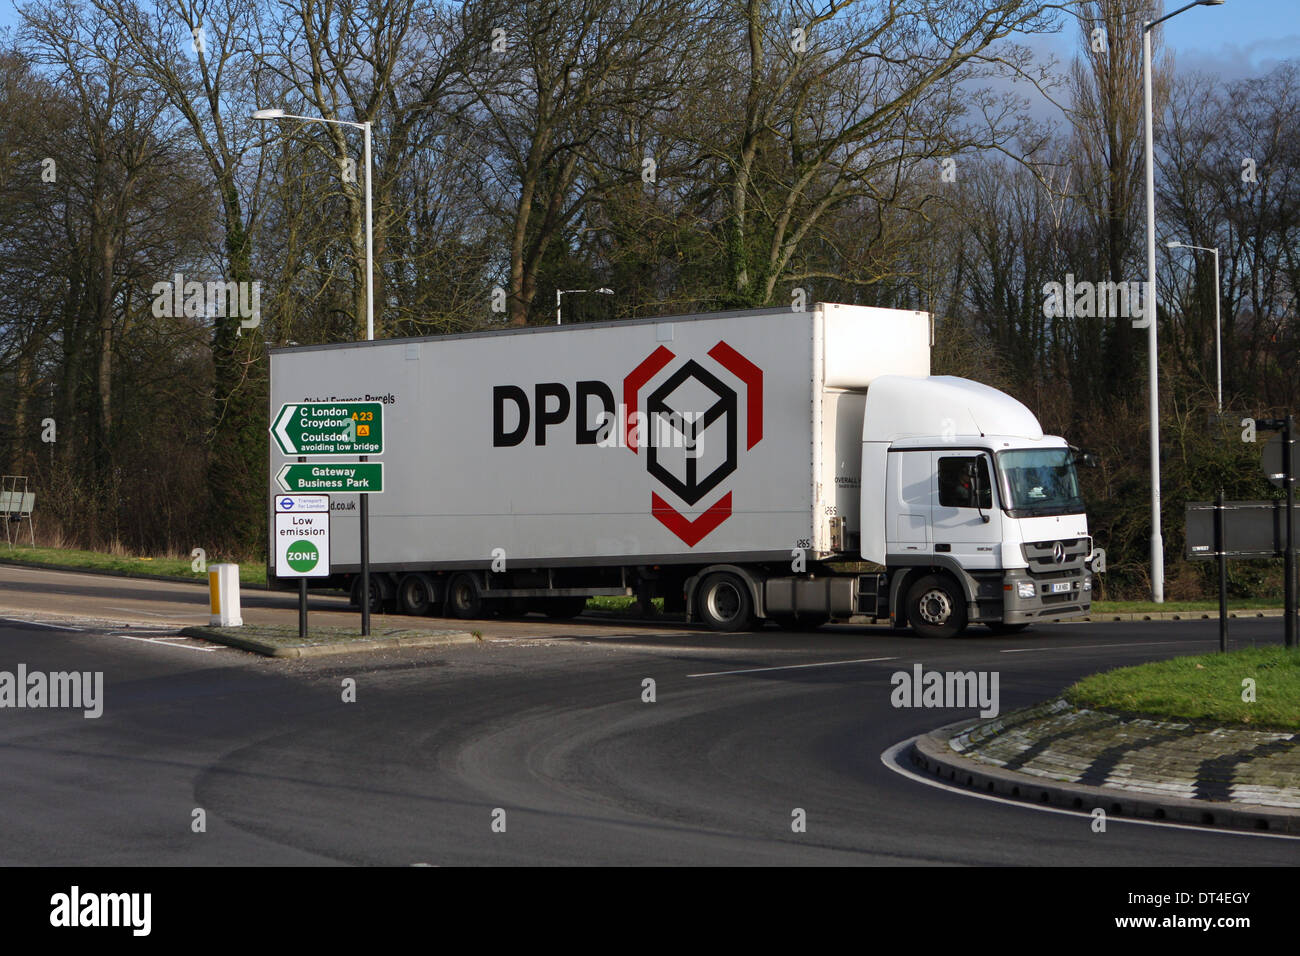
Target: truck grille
(1042, 557)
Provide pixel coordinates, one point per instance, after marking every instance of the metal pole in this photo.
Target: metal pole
(302, 609)
(1288, 475)
(1221, 552)
(365, 561)
(370, 247)
(558, 293)
(1218, 334)
(1149, 313)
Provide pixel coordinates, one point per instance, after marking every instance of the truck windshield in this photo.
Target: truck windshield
(1040, 482)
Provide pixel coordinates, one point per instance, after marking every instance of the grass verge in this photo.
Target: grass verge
(250, 573)
(1207, 688)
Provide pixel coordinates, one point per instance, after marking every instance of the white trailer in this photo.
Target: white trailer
(724, 462)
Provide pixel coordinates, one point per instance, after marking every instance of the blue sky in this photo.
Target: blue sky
(1234, 40)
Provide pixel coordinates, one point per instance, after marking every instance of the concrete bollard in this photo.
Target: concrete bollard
(223, 590)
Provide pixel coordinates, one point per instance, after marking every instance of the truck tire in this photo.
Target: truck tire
(415, 595)
(936, 606)
(378, 600)
(724, 603)
(563, 608)
(464, 597)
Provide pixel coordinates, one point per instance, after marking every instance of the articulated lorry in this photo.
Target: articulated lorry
(797, 467)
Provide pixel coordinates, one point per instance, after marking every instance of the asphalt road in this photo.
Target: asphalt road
(543, 721)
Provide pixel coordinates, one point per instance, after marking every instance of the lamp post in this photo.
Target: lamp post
(1149, 313)
(278, 114)
(1218, 334)
(560, 292)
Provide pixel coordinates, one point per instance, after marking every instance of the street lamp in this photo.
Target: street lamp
(560, 292)
(1149, 313)
(278, 114)
(1218, 339)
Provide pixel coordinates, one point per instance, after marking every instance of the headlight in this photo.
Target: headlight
(1025, 589)
(1087, 582)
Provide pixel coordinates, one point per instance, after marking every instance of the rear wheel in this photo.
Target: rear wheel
(464, 597)
(724, 603)
(936, 606)
(415, 595)
(376, 594)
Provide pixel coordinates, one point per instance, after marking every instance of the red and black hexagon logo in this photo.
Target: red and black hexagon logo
(691, 432)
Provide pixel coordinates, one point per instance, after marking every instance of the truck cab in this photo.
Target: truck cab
(975, 513)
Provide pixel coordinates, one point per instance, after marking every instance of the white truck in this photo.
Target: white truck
(796, 467)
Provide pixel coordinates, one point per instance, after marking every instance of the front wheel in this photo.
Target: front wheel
(724, 603)
(936, 607)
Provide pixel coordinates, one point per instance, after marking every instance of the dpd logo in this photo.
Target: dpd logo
(693, 401)
(687, 433)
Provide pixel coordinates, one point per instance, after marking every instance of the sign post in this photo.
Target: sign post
(1279, 463)
(314, 429)
(1288, 475)
(302, 544)
(1220, 551)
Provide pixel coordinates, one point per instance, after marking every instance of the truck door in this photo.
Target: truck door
(910, 498)
(964, 498)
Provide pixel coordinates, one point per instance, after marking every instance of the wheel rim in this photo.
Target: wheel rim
(461, 597)
(417, 595)
(935, 607)
(724, 602)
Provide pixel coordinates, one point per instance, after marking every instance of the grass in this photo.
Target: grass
(253, 572)
(619, 605)
(1145, 607)
(1206, 689)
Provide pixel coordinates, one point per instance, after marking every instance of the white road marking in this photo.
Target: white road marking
(57, 627)
(790, 667)
(135, 610)
(890, 759)
(1081, 647)
(166, 643)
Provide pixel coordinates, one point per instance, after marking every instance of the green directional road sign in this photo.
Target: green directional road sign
(330, 428)
(337, 477)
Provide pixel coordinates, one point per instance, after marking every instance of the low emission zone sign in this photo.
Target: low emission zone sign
(341, 477)
(302, 536)
(330, 428)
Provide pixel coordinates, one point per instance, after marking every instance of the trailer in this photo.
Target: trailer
(744, 466)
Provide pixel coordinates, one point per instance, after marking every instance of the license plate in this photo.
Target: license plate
(1060, 587)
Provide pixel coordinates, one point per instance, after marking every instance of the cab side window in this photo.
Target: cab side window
(958, 478)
